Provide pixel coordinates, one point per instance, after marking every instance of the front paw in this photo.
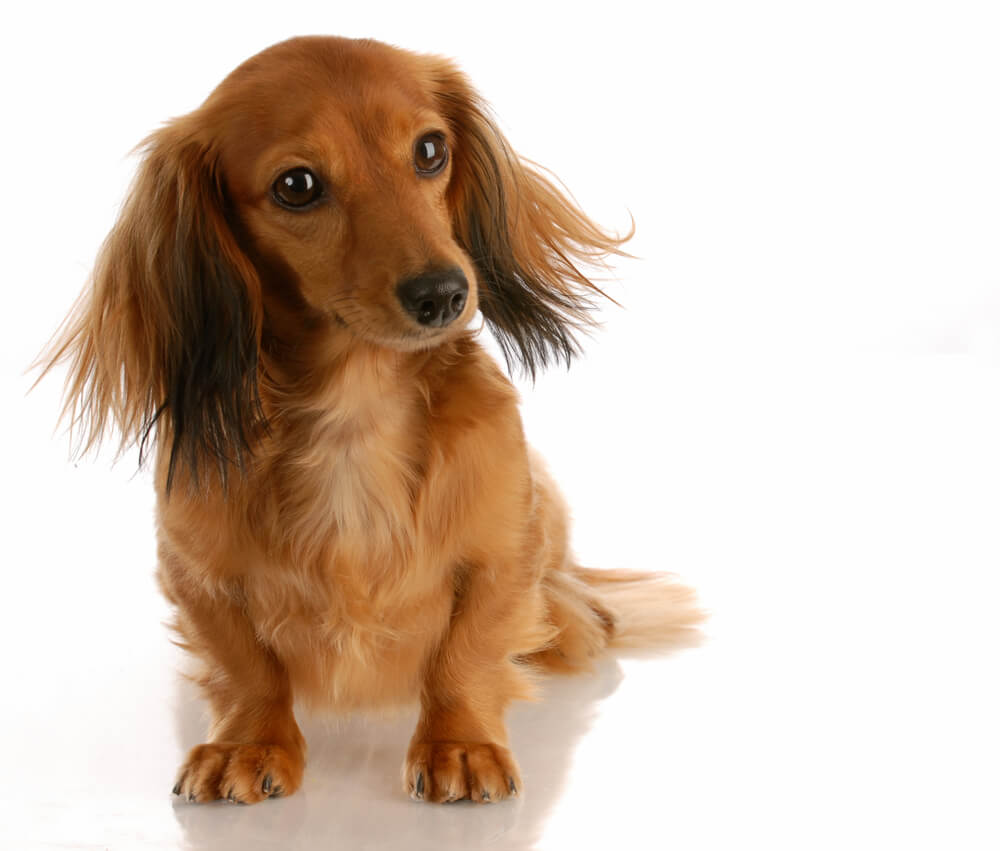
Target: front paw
(241, 773)
(452, 771)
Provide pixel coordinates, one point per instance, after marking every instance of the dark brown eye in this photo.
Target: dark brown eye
(430, 155)
(297, 188)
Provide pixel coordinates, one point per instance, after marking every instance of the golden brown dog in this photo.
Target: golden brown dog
(348, 514)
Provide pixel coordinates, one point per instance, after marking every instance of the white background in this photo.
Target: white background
(797, 411)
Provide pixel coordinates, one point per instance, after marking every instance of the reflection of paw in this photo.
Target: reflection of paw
(242, 773)
(452, 771)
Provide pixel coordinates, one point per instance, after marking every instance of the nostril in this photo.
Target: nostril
(457, 303)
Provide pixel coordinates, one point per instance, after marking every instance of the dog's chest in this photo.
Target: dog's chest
(358, 601)
(351, 483)
(368, 485)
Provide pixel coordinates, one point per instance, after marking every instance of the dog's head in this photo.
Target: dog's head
(326, 183)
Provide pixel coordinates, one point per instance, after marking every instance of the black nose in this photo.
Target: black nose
(436, 298)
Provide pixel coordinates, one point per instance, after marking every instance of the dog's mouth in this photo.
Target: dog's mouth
(403, 334)
(423, 312)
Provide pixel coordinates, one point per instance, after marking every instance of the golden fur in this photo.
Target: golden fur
(348, 514)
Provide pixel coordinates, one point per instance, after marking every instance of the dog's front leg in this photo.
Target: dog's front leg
(460, 749)
(255, 749)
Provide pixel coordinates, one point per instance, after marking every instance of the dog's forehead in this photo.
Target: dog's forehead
(314, 90)
(299, 82)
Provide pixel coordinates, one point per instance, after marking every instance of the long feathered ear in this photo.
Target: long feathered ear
(166, 337)
(529, 242)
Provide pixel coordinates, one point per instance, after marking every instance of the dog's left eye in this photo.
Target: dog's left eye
(430, 155)
(297, 188)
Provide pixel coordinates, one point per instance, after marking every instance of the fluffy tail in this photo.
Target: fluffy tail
(591, 610)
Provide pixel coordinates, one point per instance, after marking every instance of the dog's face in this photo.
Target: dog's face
(337, 165)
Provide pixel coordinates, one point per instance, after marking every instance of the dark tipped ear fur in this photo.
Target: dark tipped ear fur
(167, 337)
(526, 238)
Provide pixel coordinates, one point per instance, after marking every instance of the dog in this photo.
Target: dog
(348, 515)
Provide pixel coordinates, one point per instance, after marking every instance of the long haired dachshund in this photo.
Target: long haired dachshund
(348, 514)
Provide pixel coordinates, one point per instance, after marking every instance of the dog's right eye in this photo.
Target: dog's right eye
(297, 188)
